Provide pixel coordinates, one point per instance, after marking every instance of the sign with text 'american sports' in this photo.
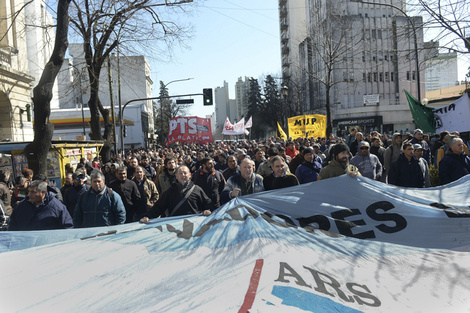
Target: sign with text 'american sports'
(190, 129)
(405, 250)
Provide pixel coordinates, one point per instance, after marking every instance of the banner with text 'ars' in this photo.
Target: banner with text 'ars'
(190, 129)
(338, 245)
(313, 125)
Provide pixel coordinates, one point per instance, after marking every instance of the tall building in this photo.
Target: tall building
(222, 105)
(15, 81)
(242, 88)
(359, 56)
(133, 79)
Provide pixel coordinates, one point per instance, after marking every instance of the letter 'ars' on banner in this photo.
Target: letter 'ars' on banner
(313, 125)
(190, 129)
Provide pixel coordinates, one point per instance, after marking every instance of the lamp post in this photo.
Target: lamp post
(81, 96)
(161, 105)
(285, 94)
(415, 37)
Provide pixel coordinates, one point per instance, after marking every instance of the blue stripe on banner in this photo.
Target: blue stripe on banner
(309, 301)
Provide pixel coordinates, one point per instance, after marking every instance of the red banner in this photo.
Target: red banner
(190, 129)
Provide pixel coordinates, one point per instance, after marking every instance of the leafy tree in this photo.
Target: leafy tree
(274, 110)
(255, 103)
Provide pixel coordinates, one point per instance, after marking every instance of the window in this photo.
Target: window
(375, 77)
(408, 75)
(363, 76)
(392, 75)
(381, 77)
(386, 57)
(369, 77)
(414, 75)
(386, 76)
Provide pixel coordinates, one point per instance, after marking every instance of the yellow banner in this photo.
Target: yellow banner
(307, 126)
(282, 134)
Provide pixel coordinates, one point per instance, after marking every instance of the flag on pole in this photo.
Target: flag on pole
(249, 123)
(282, 134)
(454, 116)
(423, 116)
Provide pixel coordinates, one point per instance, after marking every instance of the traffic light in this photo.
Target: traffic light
(207, 94)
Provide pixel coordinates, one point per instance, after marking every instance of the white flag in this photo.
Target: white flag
(249, 123)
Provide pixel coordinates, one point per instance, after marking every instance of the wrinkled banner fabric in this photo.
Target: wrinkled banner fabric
(339, 245)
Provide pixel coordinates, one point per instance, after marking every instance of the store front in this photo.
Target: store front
(364, 124)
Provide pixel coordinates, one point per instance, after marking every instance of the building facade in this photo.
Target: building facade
(357, 57)
(441, 70)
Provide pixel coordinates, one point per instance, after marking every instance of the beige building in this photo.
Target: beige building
(15, 81)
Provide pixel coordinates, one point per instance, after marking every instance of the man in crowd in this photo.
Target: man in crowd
(418, 153)
(392, 152)
(40, 211)
(405, 171)
(355, 143)
(210, 180)
(99, 206)
(279, 178)
(149, 171)
(265, 168)
(148, 192)
(167, 177)
(297, 160)
(339, 163)
(222, 164)
(455, 163)
(367, 163)
(259, 157)
(79, 186)
(308, 171)
(67, 185)
(351, 137)
(128, 191)
(243, 183)
(182, 198)
(418, 138)
(232, 168)
(291, 151)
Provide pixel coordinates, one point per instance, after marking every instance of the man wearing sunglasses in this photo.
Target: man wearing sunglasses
(367, 163)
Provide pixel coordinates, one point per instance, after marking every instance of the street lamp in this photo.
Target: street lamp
(415, 37)
(81, 96)
(161, 105)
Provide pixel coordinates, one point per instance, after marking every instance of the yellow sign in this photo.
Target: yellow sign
(307, 126)
(282, 134)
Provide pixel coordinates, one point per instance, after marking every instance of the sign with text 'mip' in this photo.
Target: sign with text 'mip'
(313, 125)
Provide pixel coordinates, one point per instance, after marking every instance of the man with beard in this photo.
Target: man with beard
(339, 163)
(210, 180)
(308, 171)
(149, 171)
(279, 178)
(167, 177)
(232, 168)
(182, 198)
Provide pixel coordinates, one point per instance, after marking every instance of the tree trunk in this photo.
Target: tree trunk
(36, 151)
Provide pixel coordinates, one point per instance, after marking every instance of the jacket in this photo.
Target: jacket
(148, 193)
(212, 184)
(71, 197)
(391, 154)
(308, 172)
(164, 181)
(334, 169)
(197, 202)
(406, 173)
(129, 193)
(99, 209)
(368, 165)
(271, 182)
(254, 185)
(51, 214)
(453, 166)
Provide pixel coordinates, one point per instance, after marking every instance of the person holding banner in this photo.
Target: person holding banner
(308, 171)
(339, 163)
(243, 183)
(279, 178)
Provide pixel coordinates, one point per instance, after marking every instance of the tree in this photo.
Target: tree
(273, 107)
(255, 103)
(36, 151)
(103, 25)
(166, 110)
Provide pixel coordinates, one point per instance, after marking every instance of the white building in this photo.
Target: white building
(374, 61)
(222, 105)
(134, 81)
(441, 70)
(242, 88)
(15, 81)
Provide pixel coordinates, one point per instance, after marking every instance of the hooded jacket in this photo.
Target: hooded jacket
(392, 153)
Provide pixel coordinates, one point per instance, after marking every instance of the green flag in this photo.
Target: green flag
(422, 115)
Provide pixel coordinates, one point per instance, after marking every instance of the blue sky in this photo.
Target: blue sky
(232, 39)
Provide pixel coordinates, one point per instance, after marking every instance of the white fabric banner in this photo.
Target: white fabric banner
(259, 253)
(237, 129)
(454, 117)
(249, 124)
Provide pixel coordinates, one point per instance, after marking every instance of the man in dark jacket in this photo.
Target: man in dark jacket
(455, 163)
(406, 171)
(99, 206)
(210, 180)
(418, 138)
(73, 193)
(128, 191)
(40, 211)
(232, 168)
(279, 178)
(182, 198)
(307, 172)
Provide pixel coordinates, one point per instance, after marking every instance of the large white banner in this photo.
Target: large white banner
(455, 116)
(237, 129)
(258, 253)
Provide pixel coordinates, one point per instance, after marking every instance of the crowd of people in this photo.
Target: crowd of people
(197, 179)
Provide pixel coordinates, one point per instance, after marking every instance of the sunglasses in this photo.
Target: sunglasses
(364, 148)
(80, 177)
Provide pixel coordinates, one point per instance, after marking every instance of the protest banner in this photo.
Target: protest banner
(190, 129)
(307, 126)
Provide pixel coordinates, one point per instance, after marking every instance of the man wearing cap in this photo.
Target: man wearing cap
(308, 171)
(418, 153)
(367, 163)
(317, 151)
(405, 171)
(78, 188)
(339, 163)
(418, 138)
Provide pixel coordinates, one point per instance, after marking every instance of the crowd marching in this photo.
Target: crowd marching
(196, 179)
